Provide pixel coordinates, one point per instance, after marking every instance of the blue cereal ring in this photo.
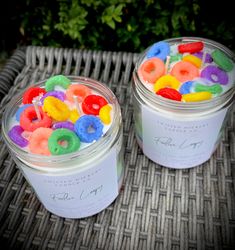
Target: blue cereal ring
(88, 128)
(186, 87)
(160, 50)
(20, 110)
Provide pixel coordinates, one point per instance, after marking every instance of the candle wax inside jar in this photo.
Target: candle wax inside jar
(72, 107)
(207, 73)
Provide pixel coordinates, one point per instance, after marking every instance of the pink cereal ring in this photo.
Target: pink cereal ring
(29, 122)
(79, 90)
(151, 70)
(38, 142)
(184, 71)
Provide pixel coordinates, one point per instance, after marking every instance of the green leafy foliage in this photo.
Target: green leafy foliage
(128, 25)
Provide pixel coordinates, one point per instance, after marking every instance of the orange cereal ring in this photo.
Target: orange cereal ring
(79, 90)
(196, 61)
(151, 70)
(166, 81)
(184, 71)
(56, 109)
(38, 142)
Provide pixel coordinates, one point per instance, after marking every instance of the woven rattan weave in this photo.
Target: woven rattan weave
(158, 208)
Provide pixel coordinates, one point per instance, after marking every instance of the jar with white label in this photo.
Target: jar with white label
(182, 134)
(80, 183)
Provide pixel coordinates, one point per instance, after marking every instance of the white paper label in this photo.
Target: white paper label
(180, 144)
(80, 194)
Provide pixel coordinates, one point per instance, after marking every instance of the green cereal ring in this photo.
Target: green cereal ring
(60, 136)
(175, 58)
(222, 60)
(57, 80)
(213, 89)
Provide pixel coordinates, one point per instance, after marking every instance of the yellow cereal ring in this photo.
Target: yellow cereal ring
(166, 81)
(74, 115)
(193, 59)
(56, 109)
(105, 115)
(197, 97)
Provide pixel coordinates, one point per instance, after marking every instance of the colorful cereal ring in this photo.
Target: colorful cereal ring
(56, 93)
(74, 115)
(197, 97)
(67, 124)
(213, 89)
(31, 93)
(194, 60)
(56, 109)
(185, 88)
(92, 104)
(89, 128)
(190, 47)
(20, 110)
(151, 70)
(169, 93)
(29, 121)
(222, 60)
(105, 115)
(215, 74)
(208, 58)
(160, 50)
(166, 81)
(38, 142)
(184, 71)
(78, 90)
(63, 141)
(15, 133)
(58, 80)
(175, 58)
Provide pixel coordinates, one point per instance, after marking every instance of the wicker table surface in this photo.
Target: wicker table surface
(158, 208)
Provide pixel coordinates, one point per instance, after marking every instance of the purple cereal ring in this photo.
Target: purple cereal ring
(215, 74)
(68, 125)
(15, 135)
(56, 93)
(208, 58)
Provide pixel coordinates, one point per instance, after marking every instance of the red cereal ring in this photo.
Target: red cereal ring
(92, 104)
(29, 121)
(32, 92)
(169, 93)
(151, 70)
(190, 47)
(184, 71)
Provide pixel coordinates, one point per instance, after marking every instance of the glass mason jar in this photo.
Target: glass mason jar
(77, 184)
(180, 134)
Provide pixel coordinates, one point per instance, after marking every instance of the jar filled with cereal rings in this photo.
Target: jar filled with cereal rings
(65, 134)
(183, 93)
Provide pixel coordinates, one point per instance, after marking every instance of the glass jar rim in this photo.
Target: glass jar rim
(176, 105)
(85, 152)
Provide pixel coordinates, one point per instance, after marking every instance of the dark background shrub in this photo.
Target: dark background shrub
(113, 25)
